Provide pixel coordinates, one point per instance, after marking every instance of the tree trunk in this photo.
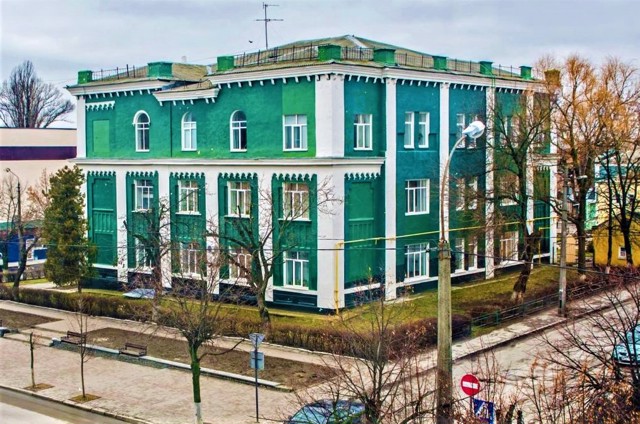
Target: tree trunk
(82, 371)
(195, 380)
(520, 287)
(22, 265)
(582, 243)
(265, 317)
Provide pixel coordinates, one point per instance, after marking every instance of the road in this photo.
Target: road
(21, 408)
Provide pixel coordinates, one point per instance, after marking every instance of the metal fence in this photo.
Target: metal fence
(288, 54)
(119, 73)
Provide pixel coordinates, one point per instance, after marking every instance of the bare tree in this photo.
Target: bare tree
(255, 237)
(28, 102)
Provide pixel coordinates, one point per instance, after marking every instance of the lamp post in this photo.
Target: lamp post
(444, 383)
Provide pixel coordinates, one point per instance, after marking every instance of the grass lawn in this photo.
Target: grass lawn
(291, 373)
(21, 320)
(27, 282)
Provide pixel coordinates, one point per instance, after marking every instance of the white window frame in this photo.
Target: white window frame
(238, 132)
(424, 124)
(363, 124)
(472, 253)
(189, 133)
(295, 201)
(292, 125)
(417, 192)
(472, 143)
(188, 197)
(416, 254)
(189, 258)
(505, 185)
(143, 195)
(461, 120)
(143, 261)
(239, 198)
(460, 193)
(142, 131)
(509, 246)
(472, 188)
(459, 254)
(409, 123)
(239, 255)
(622, 252)
(28, 242)
(299, 261)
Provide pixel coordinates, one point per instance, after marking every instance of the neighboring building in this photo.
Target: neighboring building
(28, 152)
(376, 120)
(618, 251)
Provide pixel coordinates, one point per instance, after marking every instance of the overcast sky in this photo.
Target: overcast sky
(63, 36)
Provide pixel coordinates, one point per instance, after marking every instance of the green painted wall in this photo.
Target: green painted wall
(362, 97)
(101, 212)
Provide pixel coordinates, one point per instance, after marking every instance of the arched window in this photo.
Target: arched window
(189, 135)
(141, 122)
(238, 131)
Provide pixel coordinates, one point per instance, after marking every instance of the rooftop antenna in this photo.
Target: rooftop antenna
(266, 22)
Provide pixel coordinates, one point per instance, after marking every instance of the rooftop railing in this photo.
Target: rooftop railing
(119, 73)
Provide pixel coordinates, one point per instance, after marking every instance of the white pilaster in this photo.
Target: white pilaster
(489, 189)
(330, 116)
(211, 216)
(121, 216)
(553, 222)
(444, 153)
(390, 176)
(530, 173)
(81, 130)
(265, 211)
(165, 225)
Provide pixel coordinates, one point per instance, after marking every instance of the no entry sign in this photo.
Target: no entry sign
(470, 384)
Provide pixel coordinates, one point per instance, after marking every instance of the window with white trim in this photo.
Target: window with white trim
(238, 127)
(472, 142)
(189, 132)
(423, 129)
(362, 132)
(141, 122)
(143, 195)
(458, 255)
(239, 263)
(417, 260)
(461, 120)
(239, 198)
(460, 193)
(508, 187)
(296, 269)
(188, 196)
(28, 243)
(295, 132)
(408, 130)
(142, 254)
(472, 253)
(295, 200)
(189, 258)
(472, 189)
(509, 246)
(622, 252)
(417, 192)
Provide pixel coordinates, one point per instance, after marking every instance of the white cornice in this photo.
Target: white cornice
(111, 88)
(100, 105)
(231, 162)
(167, 96)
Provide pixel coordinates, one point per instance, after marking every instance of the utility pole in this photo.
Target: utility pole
(562, 280)
(19, 225)
(266, 22)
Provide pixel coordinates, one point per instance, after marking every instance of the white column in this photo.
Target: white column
(390, 177)
(553, 222)
(444, 153)
(211, 216)
(165, 226)
(530, 172)
(265, 212)
(121, 216)
(489, 189)
(330, 116)
(81, 130)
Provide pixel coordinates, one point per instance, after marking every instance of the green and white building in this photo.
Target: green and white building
(377, 121)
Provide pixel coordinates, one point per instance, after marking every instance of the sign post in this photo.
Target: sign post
(256, 361)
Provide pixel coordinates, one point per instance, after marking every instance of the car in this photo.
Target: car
(140, 294)
(627, 352)
(328, 411)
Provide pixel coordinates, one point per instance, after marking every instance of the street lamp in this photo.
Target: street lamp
(444, 384)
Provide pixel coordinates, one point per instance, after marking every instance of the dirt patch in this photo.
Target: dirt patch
(38, 387)
(82, 399)
(290, 373)
(21, 320)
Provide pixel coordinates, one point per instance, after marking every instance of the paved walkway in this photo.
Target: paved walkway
(154, 395)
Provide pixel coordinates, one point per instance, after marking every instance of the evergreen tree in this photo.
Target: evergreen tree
(65, 229)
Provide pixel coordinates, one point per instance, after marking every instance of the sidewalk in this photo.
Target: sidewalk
(156, 395)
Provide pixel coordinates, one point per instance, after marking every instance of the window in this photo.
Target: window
(471, 142)
(296, 269)
(189, 258)
(417, 260)
(28, 246)
(295, 132)
(238, 131)
(466, 193)
(423, 130)
(239, 264)
(188, 196)
(295, 198)
(408, 130)
(460, 192)
(143, 255)
(239, 198)
(472, 253)
(362, 129)
(460, 125)
(472, 187)
(458, 255)
(189, 135)
(141, 122)
(622, 252)
(507, 184)
(509, 246)
(143, 195)
(417, 196)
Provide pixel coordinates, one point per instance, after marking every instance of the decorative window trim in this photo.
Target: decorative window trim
(289, 131)
(363, 132)
(409, 125)
(416, 254)
(109, 104)
(417, 196)
(238, 127)
(295, 201)
(140, 129)
(188, 197)
(299, 262)
(189, 133)
(239, 195)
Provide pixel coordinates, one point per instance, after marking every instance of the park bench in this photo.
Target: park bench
(133, 349)
(75, 338)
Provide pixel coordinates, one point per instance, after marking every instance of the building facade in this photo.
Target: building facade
(374, 123)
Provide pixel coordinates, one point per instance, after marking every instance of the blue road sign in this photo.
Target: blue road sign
(484, 410)
(260, 361)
